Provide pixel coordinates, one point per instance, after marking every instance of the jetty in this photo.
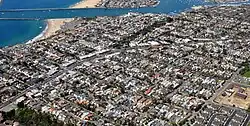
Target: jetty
(44, 9)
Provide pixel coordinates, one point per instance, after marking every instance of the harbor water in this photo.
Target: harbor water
(22, 30)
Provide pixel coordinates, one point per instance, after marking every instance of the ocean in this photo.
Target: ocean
(20, 31)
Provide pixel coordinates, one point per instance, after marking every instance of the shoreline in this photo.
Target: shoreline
(53, 25)
(38, 36)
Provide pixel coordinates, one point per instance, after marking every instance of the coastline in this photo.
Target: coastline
(53, 25)
(39, 36)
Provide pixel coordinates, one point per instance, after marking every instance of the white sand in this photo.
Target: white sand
(55, 24)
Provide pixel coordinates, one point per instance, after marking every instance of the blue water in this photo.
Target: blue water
(17, 4)
(13, 32)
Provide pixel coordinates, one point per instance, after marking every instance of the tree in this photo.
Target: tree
(20, 105)
(9, 115)
(173, 124)
(248, 109)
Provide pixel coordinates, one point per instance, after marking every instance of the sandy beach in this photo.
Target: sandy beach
(55, 24)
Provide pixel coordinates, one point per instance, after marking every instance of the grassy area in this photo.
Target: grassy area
(29, 117)
(246, 74)
(246, 71)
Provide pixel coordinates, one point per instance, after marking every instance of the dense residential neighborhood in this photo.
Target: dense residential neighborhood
(134, 69)
(128, 3)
